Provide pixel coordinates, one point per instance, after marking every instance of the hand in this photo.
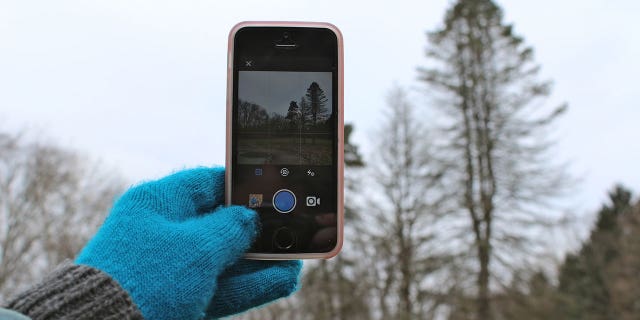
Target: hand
(177, 251)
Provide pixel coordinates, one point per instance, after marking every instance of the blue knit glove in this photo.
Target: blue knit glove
(178, 252)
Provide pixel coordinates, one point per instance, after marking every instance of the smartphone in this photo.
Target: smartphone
(285, 149)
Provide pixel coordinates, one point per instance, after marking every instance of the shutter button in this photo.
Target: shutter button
(284, 201)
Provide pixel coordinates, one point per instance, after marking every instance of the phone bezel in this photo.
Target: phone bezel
(340, 151)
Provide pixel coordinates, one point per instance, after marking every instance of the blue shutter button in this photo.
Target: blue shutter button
(284, 201)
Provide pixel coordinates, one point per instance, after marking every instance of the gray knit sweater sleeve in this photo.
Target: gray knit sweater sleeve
(76, 292)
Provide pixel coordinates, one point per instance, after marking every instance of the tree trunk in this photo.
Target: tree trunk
(484, 302)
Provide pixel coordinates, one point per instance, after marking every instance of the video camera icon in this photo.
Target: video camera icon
(313, 201)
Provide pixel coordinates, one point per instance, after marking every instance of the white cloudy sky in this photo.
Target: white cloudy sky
(141, 84)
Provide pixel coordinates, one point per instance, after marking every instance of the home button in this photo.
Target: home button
(284, 238)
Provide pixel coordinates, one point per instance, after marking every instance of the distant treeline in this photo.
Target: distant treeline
(311, 113)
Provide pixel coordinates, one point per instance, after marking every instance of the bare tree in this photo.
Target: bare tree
(337, 289)
(484, 80)
(51, 202)
(251, 115)
(408, 203)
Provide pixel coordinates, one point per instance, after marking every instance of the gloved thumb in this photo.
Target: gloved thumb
(225, 234)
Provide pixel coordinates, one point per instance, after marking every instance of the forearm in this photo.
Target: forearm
(76, 292)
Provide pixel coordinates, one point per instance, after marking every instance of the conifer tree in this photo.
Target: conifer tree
(483, 79)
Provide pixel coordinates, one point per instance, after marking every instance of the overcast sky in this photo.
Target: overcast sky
(274, 90)
(141, 84)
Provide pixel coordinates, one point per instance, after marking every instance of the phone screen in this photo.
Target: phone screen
(284, 136)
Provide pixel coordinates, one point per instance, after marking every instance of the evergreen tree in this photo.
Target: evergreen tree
(293, 112)
(583, 279)
(352, 157)
(294, 115)
(484, 80)
(318, 102)
(622, 274)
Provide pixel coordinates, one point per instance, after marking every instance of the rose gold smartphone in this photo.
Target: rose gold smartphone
(285, 128)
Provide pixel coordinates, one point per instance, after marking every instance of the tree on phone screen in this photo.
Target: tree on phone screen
(317, 103)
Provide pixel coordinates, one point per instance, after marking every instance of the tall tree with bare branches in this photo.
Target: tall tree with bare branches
(400, 231)
(485, 81)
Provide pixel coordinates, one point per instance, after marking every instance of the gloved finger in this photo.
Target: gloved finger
(181, 195)
(251, 283)
(225, 235)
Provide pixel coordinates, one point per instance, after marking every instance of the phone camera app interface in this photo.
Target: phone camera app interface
(284, 155)
(285, 118)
